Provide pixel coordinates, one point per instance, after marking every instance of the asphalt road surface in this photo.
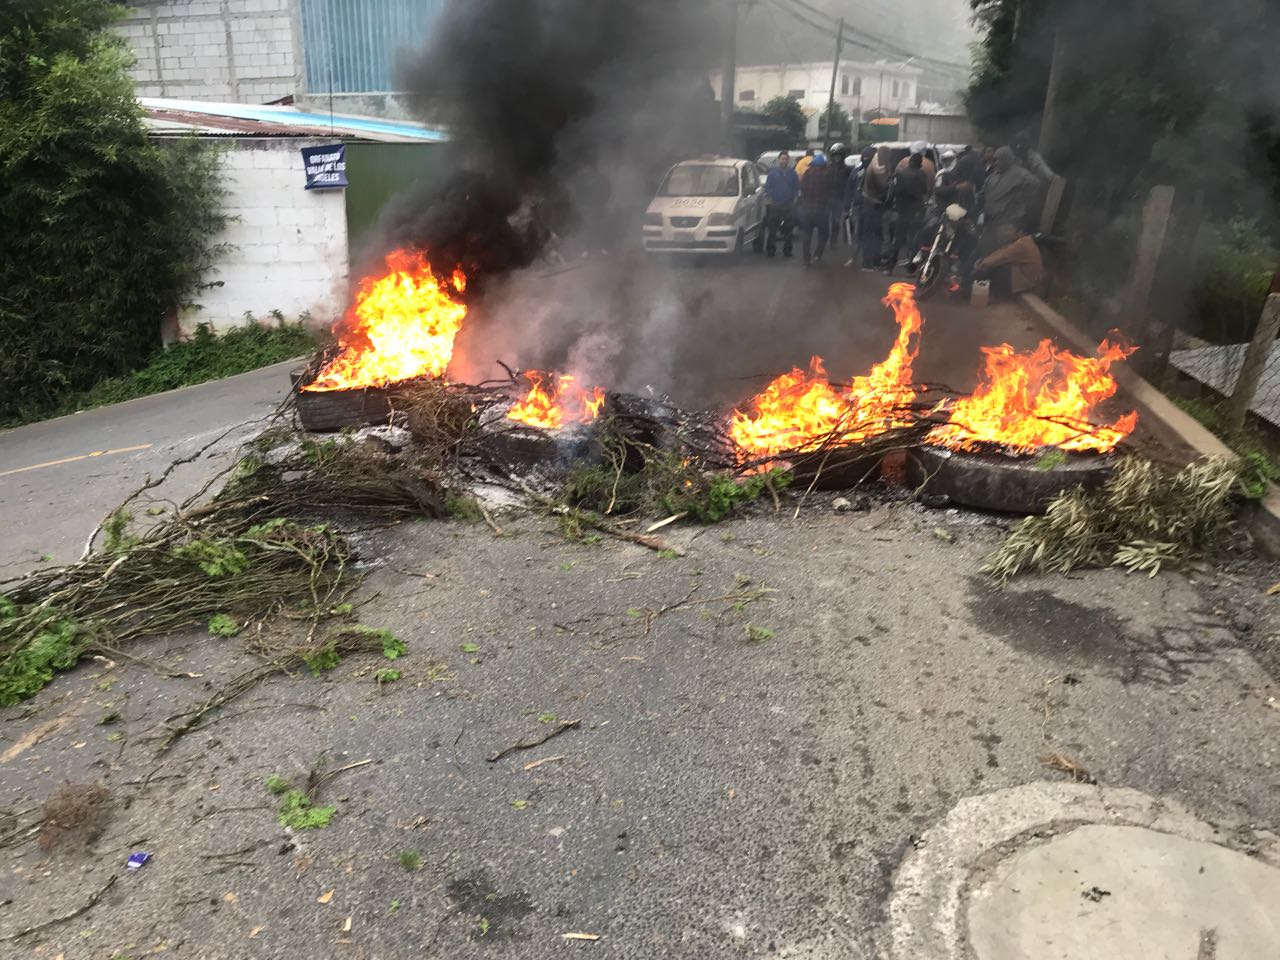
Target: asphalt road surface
(59, 478)
(735, 752)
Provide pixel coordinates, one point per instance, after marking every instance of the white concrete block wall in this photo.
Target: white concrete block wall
(218, 50)
(289, 244)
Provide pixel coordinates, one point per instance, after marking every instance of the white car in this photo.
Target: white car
(707, 205)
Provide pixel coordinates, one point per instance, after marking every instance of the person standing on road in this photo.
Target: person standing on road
(781, 187)
(839, 175)
(930, 168)
(874, 189)
(814, 209)
(802, 165)
(910, 193)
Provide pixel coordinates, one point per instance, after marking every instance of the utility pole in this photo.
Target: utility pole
(835, 72)
(730, 68)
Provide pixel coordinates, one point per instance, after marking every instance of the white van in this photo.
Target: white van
(707, 205)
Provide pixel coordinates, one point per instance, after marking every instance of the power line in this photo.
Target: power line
(887, 45)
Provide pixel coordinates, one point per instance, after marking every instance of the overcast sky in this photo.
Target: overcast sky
(932, 28)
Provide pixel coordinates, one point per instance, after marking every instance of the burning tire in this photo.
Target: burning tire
(995, 481)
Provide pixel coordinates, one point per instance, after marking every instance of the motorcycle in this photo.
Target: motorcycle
(939, 259)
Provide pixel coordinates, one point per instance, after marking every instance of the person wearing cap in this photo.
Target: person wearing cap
(948, 164)
(920, 149)
(954, 185)
(814, 209)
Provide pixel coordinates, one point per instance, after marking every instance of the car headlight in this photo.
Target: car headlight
(720, 220)
(653, 219)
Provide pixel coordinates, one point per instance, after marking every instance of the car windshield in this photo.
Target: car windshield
(700, 180)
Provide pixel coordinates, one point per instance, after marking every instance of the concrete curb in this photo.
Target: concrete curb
(927, 916)
(1261, 516)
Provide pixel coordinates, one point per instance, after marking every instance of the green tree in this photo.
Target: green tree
(839, 121)
(787, 112)
(106, 231)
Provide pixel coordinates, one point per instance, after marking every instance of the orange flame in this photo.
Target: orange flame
(800, 409)
(402, 325)
(1044, 398)
(555, 400)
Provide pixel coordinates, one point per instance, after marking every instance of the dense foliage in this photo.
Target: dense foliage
(787, 112)
(106, 231)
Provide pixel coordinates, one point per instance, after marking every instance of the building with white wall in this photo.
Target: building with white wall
(885, 86)
(285, 248)
(260, 51)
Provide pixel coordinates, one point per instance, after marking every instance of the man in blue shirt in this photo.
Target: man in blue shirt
(781, 187)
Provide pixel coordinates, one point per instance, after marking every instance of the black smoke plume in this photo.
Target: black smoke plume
(563, 114)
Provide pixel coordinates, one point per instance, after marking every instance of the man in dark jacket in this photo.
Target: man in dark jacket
(874, 189)
(781, 187)
(910, 192)
(814, 209)
(1008, 201)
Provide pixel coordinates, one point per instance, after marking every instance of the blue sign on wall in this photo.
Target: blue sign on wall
(326, 166)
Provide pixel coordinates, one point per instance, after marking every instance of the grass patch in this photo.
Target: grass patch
(1260, 462)
(462, 508)
(386, 675)
(276, 785)
(410, 860)
(297, 811)
(206, 356)
(223, 625)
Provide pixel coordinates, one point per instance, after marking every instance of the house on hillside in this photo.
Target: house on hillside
(276, 51)
(887, 88)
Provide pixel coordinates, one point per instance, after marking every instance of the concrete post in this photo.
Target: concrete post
(1155, 225)
(1255, 361)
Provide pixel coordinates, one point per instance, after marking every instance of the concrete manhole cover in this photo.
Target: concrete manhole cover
(1067, 872)
(1107, 891)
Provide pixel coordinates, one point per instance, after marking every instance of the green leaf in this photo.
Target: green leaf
(298, 812)
(546, 718)
(223, 625)
(471, 648)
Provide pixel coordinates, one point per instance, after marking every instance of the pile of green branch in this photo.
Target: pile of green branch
(1143, 518)
(635, 476)
(252, 552)
(294, 475)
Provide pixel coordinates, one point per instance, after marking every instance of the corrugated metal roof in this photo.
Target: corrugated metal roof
(242, 119)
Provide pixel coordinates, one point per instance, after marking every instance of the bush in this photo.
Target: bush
(107, 231)
(1234, 274)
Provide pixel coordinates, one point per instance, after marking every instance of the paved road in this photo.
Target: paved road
(60, 477)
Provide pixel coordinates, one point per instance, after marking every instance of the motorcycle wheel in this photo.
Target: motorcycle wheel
(928, 279)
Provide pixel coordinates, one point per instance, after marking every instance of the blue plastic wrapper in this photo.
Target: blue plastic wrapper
(136, 860)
